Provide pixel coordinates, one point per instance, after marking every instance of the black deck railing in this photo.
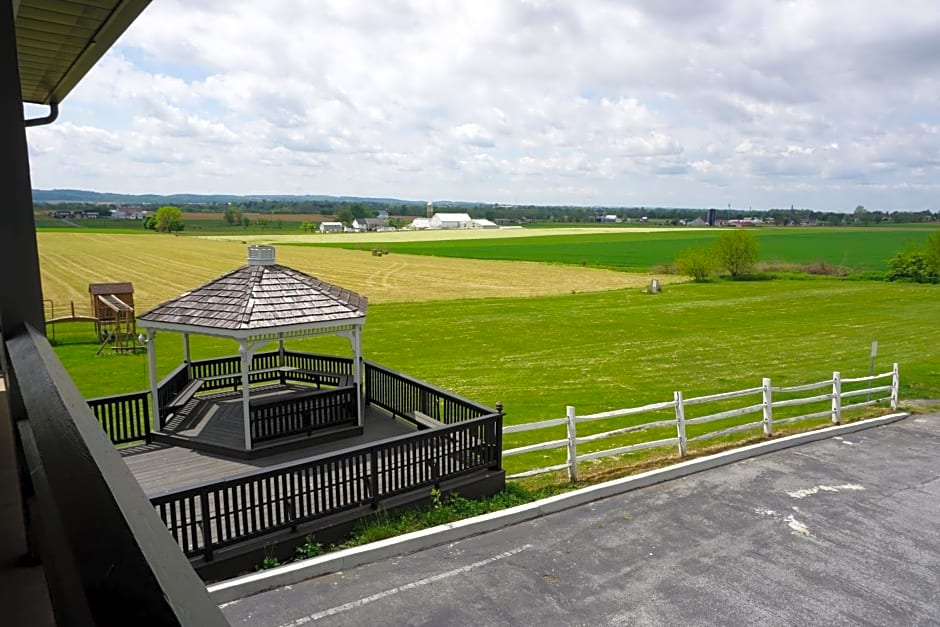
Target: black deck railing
(302, 414)
(126, 418)
(217, 514)
(106, 559)
(403, 395)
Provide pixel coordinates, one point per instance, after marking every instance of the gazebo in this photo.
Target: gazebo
(257, 304)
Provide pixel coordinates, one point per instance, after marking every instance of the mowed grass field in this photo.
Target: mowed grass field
(164, 266)
(860, 249)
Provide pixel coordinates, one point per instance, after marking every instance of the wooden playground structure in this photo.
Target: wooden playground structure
(112, 307)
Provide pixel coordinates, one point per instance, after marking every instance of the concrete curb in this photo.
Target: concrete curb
(295, 572)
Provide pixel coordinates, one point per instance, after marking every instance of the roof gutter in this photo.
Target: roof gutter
(46, 119)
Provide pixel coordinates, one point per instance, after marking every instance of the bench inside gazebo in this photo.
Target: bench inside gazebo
(244, 453)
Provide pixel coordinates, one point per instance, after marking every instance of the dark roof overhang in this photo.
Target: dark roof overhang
(59, 41)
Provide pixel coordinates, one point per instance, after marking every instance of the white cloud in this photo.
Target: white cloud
(686, 102)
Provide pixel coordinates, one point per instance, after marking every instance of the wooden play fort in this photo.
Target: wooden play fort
(112, 306)
(112, 313)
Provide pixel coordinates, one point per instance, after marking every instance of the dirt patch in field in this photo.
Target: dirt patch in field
(162, 267)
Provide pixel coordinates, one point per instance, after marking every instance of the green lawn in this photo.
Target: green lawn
(861, 249)
(615, 349)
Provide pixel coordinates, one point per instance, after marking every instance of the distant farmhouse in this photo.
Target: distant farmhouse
(128, 213)
(371, 224)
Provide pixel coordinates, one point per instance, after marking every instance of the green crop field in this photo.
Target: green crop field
(860, 249)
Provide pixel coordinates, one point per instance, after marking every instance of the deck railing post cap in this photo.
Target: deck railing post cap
(499, 406)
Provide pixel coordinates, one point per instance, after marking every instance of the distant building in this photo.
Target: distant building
(610, 218)
(370, 224)
(419, 224)
(482, 223)
(451, 221)
(331, 227)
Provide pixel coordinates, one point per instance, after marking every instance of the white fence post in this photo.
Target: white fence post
(895, 384)
(836, 398)
(768, 408)
(680, 422)
(572, 444)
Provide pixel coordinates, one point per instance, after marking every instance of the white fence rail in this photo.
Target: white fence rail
(765, 408)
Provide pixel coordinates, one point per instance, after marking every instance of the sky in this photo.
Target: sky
(688, 103)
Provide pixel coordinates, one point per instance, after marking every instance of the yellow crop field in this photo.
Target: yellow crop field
(163, 266)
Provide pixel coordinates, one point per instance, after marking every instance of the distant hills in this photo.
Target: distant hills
(81, 195)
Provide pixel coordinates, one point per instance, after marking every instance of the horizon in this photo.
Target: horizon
(603, 104)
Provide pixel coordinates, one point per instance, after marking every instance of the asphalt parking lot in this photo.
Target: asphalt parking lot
(844, 531)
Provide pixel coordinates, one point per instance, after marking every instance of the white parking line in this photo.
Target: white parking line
(414, 584)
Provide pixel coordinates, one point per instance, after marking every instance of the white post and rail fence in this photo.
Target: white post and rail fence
(834, 394)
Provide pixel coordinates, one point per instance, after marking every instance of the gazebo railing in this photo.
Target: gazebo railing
(327, 364)
(126, 418)
(313, 411)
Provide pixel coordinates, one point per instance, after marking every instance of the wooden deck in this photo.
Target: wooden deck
(160, 467)
(217, 418)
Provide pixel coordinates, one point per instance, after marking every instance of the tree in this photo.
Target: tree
(736, 252)
(233, 216)
(862, 215)
(698, 263)
(345, 215)
(169, 218)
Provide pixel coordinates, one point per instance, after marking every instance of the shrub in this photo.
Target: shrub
(698, 263)
(736, 252)
(912, 265)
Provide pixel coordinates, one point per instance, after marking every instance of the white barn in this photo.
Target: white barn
(331, 227)
(451, 221)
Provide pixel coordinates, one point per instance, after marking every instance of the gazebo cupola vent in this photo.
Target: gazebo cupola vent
(261, 256)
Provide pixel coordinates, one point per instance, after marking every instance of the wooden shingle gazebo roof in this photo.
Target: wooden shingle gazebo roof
(255, 304)
(259, 299)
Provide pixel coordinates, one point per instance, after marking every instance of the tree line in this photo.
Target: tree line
(346, 211)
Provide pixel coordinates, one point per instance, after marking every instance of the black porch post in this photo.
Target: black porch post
(20, 290)
(20, 287)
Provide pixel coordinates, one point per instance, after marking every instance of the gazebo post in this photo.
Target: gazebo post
(245, 350)
(186, 357)
(152, 368)
(357, 373)
(282, 360)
